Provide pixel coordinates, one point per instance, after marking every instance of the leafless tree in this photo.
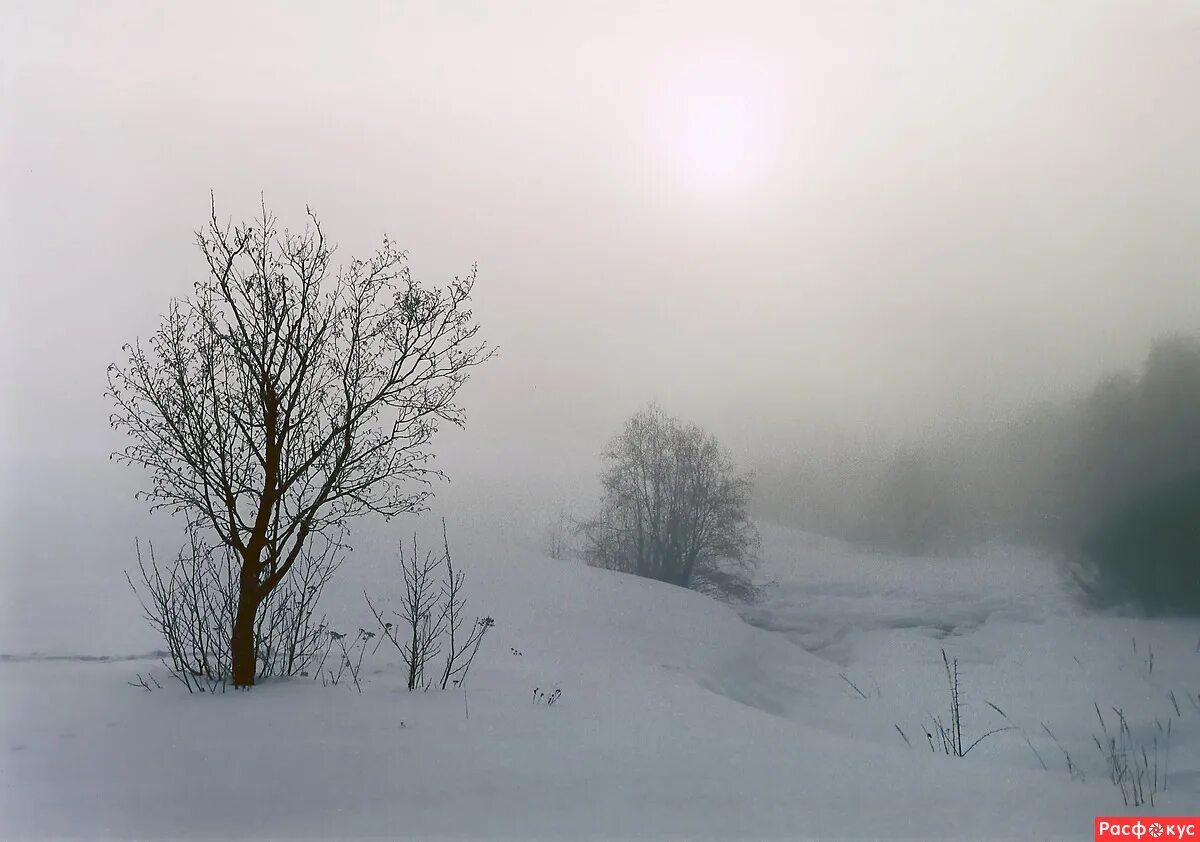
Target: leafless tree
(674, 509)
(286, 396)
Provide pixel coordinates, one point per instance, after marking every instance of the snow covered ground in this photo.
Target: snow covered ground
(678, 717)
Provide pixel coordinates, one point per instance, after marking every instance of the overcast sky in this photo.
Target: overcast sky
(777, 219)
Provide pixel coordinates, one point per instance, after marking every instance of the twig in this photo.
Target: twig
(852, 684)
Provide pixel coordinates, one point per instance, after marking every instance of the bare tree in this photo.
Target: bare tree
(674, 509)
(285, 397)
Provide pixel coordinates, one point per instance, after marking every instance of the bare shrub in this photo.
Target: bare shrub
(422, 620)
(348, 657)
(461, 648)
(431, 617)
(191, 603)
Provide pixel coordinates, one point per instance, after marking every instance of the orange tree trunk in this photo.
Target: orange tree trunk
(242, 648)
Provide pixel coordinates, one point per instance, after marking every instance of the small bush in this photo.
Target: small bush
(431, 618)
(192, 602)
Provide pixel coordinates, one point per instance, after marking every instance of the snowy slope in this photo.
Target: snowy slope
(677, 717)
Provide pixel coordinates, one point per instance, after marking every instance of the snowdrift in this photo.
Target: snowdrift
(677, 717)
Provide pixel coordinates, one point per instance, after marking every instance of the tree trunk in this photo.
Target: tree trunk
(241, 644)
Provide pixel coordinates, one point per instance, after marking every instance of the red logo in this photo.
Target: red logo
(1127, 828)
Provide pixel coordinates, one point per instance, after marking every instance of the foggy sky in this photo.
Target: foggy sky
(964, 208)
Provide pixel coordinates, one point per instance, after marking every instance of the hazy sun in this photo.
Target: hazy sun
(719, 122)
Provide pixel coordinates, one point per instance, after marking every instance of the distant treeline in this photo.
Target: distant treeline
(1112, 476)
